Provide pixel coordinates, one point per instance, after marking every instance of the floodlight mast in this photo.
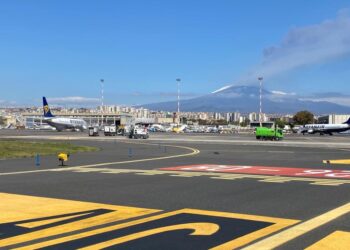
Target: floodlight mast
(178, 80)
(260, 103)
(102, 92)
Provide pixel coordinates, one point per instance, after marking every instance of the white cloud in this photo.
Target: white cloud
(164, 94)
(338, 100)
(309, 45)
(73, 100)
(7, 103)
(333, 97)
(277, 92)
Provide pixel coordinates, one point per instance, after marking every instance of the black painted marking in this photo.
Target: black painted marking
(230, 228)
(12, 229)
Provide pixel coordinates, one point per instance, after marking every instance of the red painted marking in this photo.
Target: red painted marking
(263, 170)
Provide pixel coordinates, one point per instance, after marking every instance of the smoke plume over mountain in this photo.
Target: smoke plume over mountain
(303, 46)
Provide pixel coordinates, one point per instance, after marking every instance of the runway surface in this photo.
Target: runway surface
(180, 192)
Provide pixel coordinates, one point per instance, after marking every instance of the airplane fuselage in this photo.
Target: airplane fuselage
(325, 128)
(62, 123)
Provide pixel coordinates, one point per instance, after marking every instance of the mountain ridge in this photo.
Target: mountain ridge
(245, 99)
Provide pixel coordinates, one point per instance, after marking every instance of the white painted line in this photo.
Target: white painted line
(279, 239)
(314, 144)
(194, 152)
(281, 152)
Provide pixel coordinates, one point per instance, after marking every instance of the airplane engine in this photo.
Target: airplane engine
(310, 131)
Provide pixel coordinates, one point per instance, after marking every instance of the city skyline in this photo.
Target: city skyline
(62, 50)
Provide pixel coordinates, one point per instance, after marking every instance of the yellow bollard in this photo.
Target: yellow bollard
(62, 157)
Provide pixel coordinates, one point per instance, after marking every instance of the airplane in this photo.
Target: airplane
(156, 128)
(43, 127)
(62, 123)
(179, 128)
(325, 128)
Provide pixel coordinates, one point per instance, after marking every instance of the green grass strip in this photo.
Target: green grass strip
(20, 149)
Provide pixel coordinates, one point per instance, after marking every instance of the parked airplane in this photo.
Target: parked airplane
(179, 128)
(62, 123)
(325, 128)
(43, 127)
(156, 128)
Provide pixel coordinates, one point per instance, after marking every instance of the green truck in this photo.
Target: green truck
(263, 133)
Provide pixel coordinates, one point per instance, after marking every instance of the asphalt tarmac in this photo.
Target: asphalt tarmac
(227, 196)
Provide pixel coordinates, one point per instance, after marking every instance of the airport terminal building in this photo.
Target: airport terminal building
(35, 120)
(31, 120)
(333, 119)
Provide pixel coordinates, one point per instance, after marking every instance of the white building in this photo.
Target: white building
(217, 116)
(236, 116)
(253, 117)
(203, 116)
(264, 117)
(229, 117)
(334, 119)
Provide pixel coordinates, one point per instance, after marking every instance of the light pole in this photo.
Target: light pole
(102, 90)
(178, 100)
(260, 110)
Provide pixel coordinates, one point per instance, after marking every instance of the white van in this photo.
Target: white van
(137, 132)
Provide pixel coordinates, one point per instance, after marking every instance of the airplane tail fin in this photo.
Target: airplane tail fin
(47, 111)
(348, 121)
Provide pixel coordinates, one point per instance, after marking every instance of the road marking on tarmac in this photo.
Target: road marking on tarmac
(193, 152)
(66, 224)
(261, 170)
(26, 218)
(191, 140)
(340, 161)
(338, 240)
(217, 176)
(281, 152)
(300, 229)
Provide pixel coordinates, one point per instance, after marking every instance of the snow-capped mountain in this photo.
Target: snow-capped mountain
(245, 98)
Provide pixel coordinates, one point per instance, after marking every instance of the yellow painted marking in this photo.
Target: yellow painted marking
(218, 176)
(186, 175)
(340, 161)
(193, 152)
(289, 234)
(277, 179)
(45, 222)
(329, 182)
(338, 240)
(278, 224)
(198, 228)
(151, 172)
(15, 208)
(230, 176)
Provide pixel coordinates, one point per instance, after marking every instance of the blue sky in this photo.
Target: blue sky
(62, 49)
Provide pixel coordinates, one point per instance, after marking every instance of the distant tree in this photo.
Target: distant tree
(245, 123)
(221, 122)
(202, 122)
(279, 123)
(2, 120)
(303, 117)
